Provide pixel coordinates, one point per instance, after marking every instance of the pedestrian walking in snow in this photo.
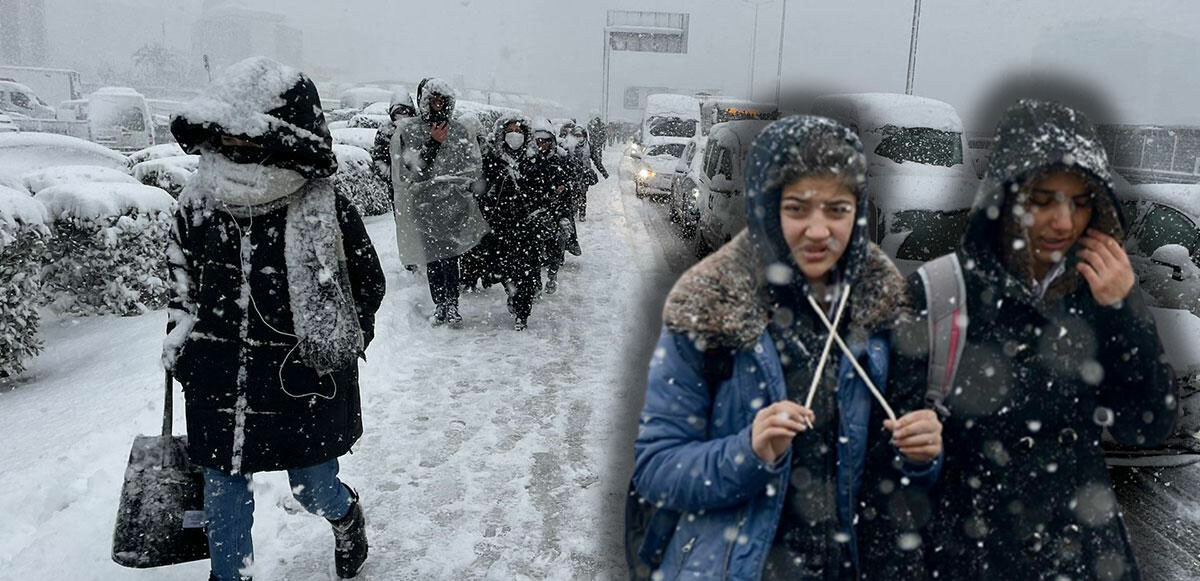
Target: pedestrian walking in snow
(401, 107)
(548, 178)
(577, 144)
(758, 428)
(435, 168)
(514, 211)
(1058, 345)
(275, 288)
(598, 140)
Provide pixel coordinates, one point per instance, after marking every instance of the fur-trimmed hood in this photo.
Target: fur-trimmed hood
(723, 301)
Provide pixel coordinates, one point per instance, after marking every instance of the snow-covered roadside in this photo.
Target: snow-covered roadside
(488, 454)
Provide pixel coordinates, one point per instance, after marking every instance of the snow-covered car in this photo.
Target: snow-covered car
(119, 118)
(356, 136)
(919, 188)
(1163, 243)
(360, 97)
(655, 169)
(686, 181)
(38, 180)
(155, 152)
(7, 125)
(18, 98)
(168, 173)
(28, 151)
(723, 189)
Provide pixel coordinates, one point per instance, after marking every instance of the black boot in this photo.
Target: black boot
(350, 539)
(453, 319)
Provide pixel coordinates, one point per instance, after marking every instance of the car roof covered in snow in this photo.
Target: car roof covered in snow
(745, 130)
(1182, 197)
(28, 151)
(670, 105)
(125, 91)
(869, 111)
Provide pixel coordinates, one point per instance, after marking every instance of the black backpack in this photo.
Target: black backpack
(648, 527)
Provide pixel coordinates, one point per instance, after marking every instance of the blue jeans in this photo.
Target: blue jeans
(229, 510)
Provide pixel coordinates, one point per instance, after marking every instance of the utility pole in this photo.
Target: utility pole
(779, 71)
(754, 44)
(912, 48)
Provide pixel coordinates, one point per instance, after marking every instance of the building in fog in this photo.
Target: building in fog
(226, 34)
(23, 32)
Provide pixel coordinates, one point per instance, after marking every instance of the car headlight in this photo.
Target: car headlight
(645, 174)
(695, 193)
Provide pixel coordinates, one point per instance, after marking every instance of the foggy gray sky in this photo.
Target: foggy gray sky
(1143, 54)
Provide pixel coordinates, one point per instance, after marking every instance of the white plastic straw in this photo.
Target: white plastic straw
(846, 350)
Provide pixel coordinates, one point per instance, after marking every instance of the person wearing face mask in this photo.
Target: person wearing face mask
(514, 213)
(435, 170)
(275, 285)
(1058, 345)
(547, 180)
(767, 399)
(401, 108)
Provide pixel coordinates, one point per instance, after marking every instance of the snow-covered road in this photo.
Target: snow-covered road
(487, 453)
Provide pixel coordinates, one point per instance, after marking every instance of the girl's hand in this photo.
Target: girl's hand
(917, 434)
(1106, 268)
(775, 426)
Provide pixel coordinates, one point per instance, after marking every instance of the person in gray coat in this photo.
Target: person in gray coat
(436, 166)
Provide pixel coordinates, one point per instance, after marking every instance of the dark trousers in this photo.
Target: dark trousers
(443, 281)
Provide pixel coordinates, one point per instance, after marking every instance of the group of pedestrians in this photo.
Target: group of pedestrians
(477, 210)
(852, 432)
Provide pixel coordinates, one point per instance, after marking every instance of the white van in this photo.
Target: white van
(119, 118)
(919, 187)
(722, 190)
(670, 119)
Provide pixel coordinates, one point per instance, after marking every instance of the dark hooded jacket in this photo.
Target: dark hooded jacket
(694, 453)
(230, 282)
(598, 140)
(1024, 492)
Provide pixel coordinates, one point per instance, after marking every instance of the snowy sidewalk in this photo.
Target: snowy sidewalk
(487, 453)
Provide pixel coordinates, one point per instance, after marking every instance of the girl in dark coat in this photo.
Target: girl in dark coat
(548, 180)
(275, 287)
(1058, 345)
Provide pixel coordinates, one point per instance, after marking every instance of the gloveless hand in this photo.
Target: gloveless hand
(1106, 267)
(917, 434)
(775, 426)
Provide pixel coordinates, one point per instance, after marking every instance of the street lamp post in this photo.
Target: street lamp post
(754, 44)
(779, 70)
(912, 48)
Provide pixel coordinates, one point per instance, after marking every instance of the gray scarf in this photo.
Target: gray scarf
(324, 313)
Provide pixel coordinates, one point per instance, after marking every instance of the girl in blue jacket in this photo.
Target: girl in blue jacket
(764, 468)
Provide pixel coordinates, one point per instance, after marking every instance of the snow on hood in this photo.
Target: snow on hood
(1034, 137)
(238, 101)
(441, 87)
(39, 180)
(268, 103)
(788, 149)
(503, 121)
(101, 200)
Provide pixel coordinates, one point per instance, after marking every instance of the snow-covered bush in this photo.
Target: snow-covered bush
(153, 152)
(355, 180)
(356, 136)
(167, 173)
(108, 253)
(23, 235)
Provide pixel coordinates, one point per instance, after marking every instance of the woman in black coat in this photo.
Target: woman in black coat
(275, 287)
(1058, 345)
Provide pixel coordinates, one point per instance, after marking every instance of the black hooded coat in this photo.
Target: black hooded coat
(1024, 492)
(251, 404)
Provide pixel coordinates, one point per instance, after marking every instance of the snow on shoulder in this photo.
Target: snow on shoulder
(103, 200)
(239, 99)
(39, 180)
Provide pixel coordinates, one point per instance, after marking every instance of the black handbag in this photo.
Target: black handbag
(160, 520)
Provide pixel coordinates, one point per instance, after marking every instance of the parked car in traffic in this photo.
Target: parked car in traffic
(919, 187)
(119, 118)
(7, 125)
(655, 168)
(20, 99)
(683, 207)
(722, 192)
